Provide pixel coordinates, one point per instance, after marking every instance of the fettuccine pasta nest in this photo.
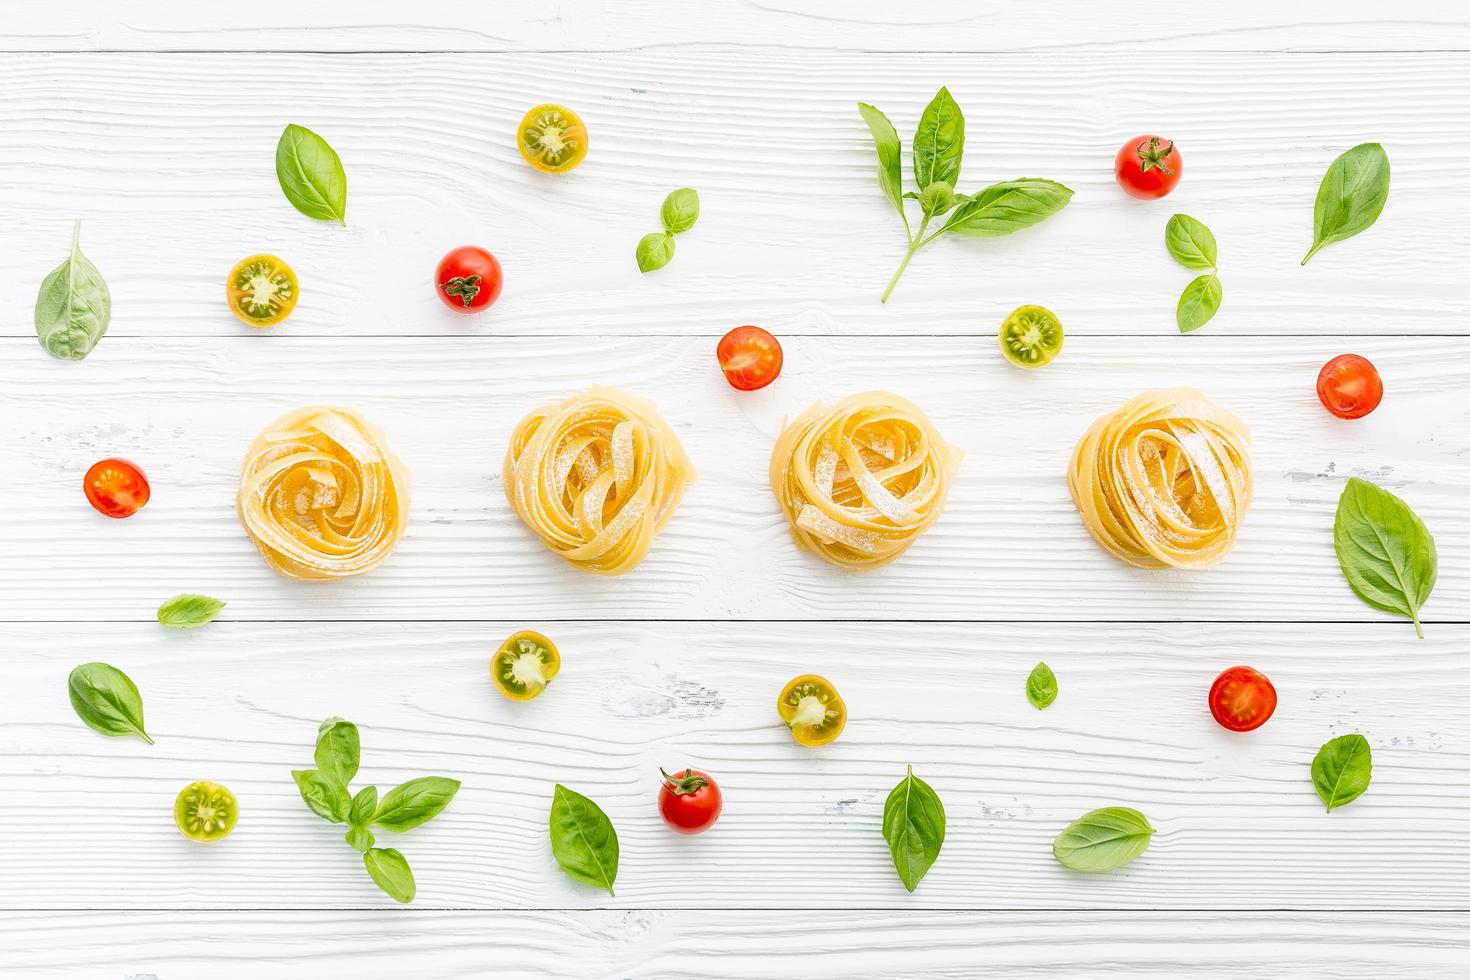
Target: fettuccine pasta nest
(1164, 481)
(597, 477)
(861, 480)
(321, 495)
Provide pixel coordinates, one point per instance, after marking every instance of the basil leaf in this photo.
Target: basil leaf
(1041, 686)
(890, 152)
(654, 251)
(939, 142)
(107, 700)
(680, 210)
(187, 611)
(338, 750)
(1386, 553)
(583, 840)
(937, 198)
(364, 805)
(1190, 242)
(311, 175)
(415, 802)
(326, 797)
(1007, 207)
(73, 306)
(1199, 302)
(1351, 197)
(360, 838)
(390, 872)
(1342, 769)
(1103, 840)
(913, 825)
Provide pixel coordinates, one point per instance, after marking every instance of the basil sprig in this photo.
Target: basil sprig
(311, 175)
(679, 212)
(412, 804)
(1041, 686)
(1193, 246)
(913, 825)
(1103, 840)
(1351, 196)
(939, 146)
(1384, 550)
(107, 700)
(187, 611)
(583, 839)
(73, 306)
(1341, 770)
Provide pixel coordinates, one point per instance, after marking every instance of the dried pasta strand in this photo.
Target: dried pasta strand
(597, 477)
(321, 495)
(1164, 481)
(861, 480)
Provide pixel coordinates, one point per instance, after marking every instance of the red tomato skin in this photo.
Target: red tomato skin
(1349, 387)
(1157, 180)
(690, 813)
(750, 358)
(1242, 699)
(463, 262)
(116, 487)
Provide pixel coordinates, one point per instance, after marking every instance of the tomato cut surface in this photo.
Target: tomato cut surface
(1148, 167)
(1031, 336)
(523, 666)
(262, 290)
(553, 139)
(1349, 386)
(812, 709)
(205, 812)
(689, 801)
(116, 487)
(750, 357)
(1242, 699)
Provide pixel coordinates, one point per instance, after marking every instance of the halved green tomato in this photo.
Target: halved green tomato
(205, 812)
(812, 709)
(524, 665)
(552, 138)
(262, 290)
(1031, 336)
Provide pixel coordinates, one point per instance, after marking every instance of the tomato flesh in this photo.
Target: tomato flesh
(750, 357)
(468, 279)
(553, 139)
(205, 812)
(689, 801)
(812, 709)
(523, 666)
(1242, 699)
(261, 290)
(1031, 336)
(1148, 167)
(116, 487)
(1349, 386)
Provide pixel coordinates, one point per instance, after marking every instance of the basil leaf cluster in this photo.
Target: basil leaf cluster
(583, 839)
(74, 305)
(1384, 550)
(311, 175)
(1193, 246)
(679, 213)
(1351, 196)
(107, 700)
(913, 825)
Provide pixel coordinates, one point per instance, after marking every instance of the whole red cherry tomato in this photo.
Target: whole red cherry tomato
(1242, 698)
(116, 487)
(1349, 386)
(1148, 167)
(468, 279)
(689, 801)
(750, 358)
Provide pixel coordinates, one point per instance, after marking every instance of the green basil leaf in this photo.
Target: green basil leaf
(360, 838)
(187, 611)
(338, 750)
(364, 805)
(1041, 686)
(1103, 840)
(73, 306)
(390, 872)
(1190, 242)
(327, 798)
(937, 198)
(415, 802)
(1351, 197)
(1386, 553)
(913, 825)
(939, 142)
(107, 700)
(1007, 207)
(311, 175)
(1342, 769)
(654, 251)
(583, 840)
(890, 153)
(1198, 303)
(680, 210)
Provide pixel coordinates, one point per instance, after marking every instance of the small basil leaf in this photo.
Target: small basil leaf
(187, 611)
(415, 802)
(939, 142)
(937, 198)
(1384, 550)
(1198, 303)
(1190, 242)
(1342, 769)
(338, 750)
(311, 175)
(1041, 686)
(360, 838)
(913, 825)
(390, 871)
(583, 840)
(1007, 207)
(364, 805)
(1351, 197)
(107, 700)
(73, 306)
(890, 152)
(327, 798)
(655, 251)
(680, 210)
(1103, 840)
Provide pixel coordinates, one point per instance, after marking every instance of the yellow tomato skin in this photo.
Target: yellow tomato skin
(519, 645)
(262, 290)
(800, 698)
(205, 812)
(552, 138)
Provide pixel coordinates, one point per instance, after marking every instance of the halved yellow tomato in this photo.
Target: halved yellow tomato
(812, 709)
(205, 812)
(524, 665)
(262, 290)
(553, 139)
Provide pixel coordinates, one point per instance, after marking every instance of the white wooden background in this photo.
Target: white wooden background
(157, 127)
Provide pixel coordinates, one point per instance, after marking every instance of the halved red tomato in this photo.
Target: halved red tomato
(1242, 699)
(750, 357)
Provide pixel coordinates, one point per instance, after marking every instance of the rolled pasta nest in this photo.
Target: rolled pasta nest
(861, 480)
(1164, 481)
(321, 495)
(597, 477)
